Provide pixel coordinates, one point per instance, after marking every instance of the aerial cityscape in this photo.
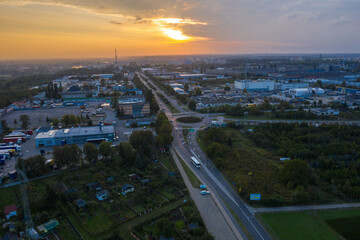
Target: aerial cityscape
(184, 119)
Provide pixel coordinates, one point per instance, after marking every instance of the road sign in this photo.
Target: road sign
(191, 130)
(255, 196)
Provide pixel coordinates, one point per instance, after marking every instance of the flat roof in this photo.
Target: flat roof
(73, 132)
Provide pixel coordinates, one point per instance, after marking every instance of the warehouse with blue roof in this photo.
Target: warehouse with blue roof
(78, 135)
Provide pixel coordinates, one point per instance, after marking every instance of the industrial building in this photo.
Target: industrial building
(255, 85)
(74, 135)
(135, 109)
(325, 112)
(305, 92)
(293, 85)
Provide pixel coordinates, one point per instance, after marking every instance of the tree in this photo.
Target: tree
(91, 152)
(120, 112)
(186, 87)
(56, 91)
(102, 82)
(105, 149)
(197, 91)
(192, 105)
(35, 166)
(296, 171)
(127, 153)
(69, 119)
(55, 121)
(24, 118)
(67, 155)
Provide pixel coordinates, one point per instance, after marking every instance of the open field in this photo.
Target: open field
(312, 225)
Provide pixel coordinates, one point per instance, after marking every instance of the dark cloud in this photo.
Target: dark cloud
(140, 20)
(116, 23)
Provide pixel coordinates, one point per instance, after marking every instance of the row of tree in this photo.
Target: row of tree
(168, 89)
(52, 91)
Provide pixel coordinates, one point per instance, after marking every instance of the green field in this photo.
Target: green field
(349, 227)
(8, 196)
(313, 225)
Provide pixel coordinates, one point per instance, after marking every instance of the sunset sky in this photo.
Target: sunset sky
(94, 28)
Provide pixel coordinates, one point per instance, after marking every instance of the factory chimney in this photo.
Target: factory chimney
(116, 56)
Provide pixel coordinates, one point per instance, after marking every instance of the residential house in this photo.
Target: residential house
(20, 104)
(94, 186)
(126, 188)
(48, 227)
(102, 195)
(80, 203)
(10, 211)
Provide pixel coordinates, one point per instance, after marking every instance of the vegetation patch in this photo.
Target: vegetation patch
(183, 222)
(347, 227)
(195, 182)
(323, 165)
(317, 225)
(189, 119)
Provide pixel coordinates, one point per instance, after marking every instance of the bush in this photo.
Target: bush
(274, 201)
(189, 119)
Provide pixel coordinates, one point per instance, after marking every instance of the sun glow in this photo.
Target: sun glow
(175, 34)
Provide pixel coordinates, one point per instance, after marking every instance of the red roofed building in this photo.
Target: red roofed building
(10, 211)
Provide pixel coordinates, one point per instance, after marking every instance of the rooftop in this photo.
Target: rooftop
(80, 131)
(9, 209)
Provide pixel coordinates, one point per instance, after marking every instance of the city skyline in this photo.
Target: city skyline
(89, 29)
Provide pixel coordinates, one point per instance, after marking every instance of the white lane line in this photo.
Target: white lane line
(227, 193)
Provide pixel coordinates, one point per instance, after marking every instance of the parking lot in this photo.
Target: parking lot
(38, 116)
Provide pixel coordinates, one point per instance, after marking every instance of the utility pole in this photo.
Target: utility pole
(29, 225)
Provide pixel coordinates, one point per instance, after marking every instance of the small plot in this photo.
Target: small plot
(167, 162)
(139, 208)
(180, 224)
(128, 213)
(65, 230)
(98, 223)
(168, 195)
(8, 196)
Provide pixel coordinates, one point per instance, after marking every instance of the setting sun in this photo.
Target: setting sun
(175, 34)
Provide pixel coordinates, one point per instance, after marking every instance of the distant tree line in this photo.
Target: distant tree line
(168, 89)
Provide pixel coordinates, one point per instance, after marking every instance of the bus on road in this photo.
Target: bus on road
(195, 162)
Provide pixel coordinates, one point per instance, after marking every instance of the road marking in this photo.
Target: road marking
(227, 193)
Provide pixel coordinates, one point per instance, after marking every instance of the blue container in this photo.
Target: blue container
(13, 174)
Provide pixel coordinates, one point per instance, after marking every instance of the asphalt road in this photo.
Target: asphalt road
(208, 210)
(217, 184)
(214, 179)
(217, 224)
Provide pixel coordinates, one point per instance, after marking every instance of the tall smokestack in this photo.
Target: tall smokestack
(115, 56)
